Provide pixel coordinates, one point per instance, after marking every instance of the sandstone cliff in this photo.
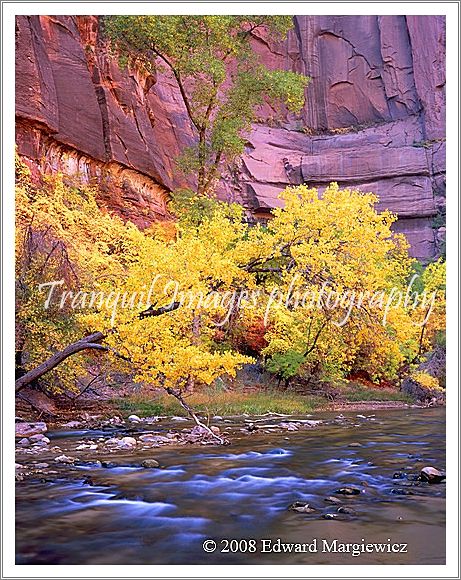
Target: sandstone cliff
(374, 118)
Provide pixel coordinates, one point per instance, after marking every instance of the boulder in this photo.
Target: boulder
(39, 437)
(134, 419)
(432, 475)
(128, 442)
(29, 429)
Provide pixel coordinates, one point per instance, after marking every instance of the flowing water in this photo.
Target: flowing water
(133, 515)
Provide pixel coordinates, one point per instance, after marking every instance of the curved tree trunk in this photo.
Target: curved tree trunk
(91, 341)
(88, 342)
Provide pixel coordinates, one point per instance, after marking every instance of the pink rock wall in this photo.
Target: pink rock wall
(374, 117)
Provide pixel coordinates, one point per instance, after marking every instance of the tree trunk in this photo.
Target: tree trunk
(88, 342)
(91, 341)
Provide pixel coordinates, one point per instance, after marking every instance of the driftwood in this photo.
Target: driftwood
(179, 396)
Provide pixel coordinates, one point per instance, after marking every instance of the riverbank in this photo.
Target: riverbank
(99, 439)
(208, 403)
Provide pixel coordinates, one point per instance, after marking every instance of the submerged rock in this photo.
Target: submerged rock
(348, 491)
(330, 516)
(301, 507)
(346, 510)
(432, 475)
(402, 491)
(150, 463)
(108, 464)
(332, 499)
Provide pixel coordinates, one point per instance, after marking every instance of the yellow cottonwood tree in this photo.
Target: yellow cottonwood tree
(167, 305)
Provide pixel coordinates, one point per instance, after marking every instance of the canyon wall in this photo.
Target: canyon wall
(374, 118)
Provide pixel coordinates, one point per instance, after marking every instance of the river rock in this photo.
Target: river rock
(289, 426)
(41, 442)
(29, 429)
(127, 442)
(179, 419)
(38, 437)
(401, 491)
(150, 463)
(151, 419)
(346, 510)
(301, 507)
(134, 419)
(64, 459)
(41, 465)
(24, 442)
(154, 439)
(348, 491)
(72, 424)
(108, 464)
(331, 516)
(355, 445)
(332, 499)
(432, 475)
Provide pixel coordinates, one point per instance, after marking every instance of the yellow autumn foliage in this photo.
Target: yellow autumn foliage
(222, 274)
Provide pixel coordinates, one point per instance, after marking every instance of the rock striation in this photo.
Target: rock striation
(374, 118)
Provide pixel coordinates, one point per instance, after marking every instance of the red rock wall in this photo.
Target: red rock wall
(374, 117)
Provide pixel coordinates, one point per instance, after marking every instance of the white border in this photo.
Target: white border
(11, 9)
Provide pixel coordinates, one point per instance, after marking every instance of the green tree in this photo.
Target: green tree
(220, 78)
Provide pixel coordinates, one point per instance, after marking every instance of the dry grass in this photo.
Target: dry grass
(220, 402)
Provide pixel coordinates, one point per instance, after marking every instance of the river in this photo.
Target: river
(132, 515)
